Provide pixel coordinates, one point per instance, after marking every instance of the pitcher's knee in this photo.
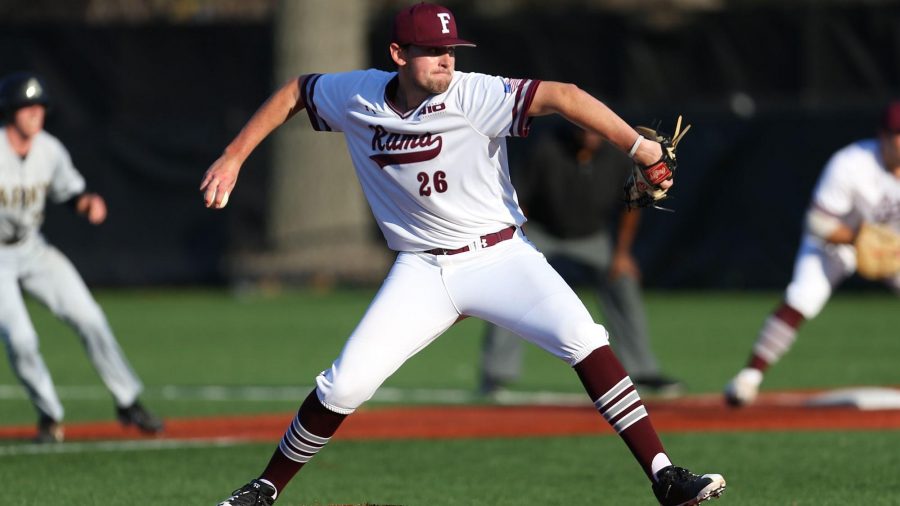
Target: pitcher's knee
(341, 394)
(583, 339)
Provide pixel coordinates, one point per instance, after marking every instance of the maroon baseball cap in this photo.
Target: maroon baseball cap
(428, 25)
(890, 119)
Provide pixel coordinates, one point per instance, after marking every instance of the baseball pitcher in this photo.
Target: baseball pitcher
(34, 167)
(429, 147)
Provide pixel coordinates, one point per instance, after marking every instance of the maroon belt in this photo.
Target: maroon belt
(487, 241)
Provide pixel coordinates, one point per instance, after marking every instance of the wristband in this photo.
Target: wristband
(634, 147)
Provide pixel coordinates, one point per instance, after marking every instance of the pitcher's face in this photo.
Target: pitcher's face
(431, 68)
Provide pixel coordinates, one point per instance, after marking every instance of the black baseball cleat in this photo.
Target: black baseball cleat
(255, 493)
(138, 416)
(48, 431)
(491, 389)
(676, 486)
(658, 385)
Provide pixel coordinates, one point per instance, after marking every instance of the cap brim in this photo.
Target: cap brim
(445, 43)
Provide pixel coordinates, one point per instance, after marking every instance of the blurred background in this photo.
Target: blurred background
(146, 94)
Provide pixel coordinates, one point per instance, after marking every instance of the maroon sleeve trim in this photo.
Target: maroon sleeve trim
(521, 121)
(525, 119)
(308, 93)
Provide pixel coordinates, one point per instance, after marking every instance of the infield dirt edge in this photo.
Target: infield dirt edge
(774, 412)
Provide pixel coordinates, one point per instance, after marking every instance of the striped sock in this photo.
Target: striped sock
(621, 405)
(300, 445)
(308, 432)
(776, 337)
(616, 399)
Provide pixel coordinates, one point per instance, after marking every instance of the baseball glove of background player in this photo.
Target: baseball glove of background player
(877, 251)
(643, 188)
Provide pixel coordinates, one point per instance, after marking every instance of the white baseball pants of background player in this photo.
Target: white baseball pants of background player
(818, 270)
(509, 284)
(47, 274)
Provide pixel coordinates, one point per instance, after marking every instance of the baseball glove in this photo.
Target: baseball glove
(644, 187)
(877, 251)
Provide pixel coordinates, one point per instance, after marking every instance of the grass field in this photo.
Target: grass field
(184, 340)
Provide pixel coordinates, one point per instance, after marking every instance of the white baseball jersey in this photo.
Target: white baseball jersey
(25, 184)
(854, 187)
(436, 176)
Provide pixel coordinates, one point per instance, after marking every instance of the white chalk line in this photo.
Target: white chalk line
(224, 393)
(230, 393)
(16, 450)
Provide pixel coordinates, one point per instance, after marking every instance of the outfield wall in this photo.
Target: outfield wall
(771, 92)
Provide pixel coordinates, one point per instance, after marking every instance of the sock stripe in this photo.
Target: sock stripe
(613, 392)
(621, 405)
(630, 419)
(299, 444)
(775, 339)
(776, 343)
(616, 409)
(291, 454)
(307, 435)
(770, 356)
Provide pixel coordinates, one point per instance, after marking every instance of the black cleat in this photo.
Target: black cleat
(138, 416)
(48, 431)
(676, 486)
(659, 385)
(255, 493)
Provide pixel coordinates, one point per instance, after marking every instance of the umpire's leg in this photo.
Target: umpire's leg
(501, 358)
(626, 320)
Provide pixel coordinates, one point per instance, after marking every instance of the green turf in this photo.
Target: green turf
(196, 337)
(798, 469)
(191, 337)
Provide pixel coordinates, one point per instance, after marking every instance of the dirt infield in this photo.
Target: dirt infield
(773, 412)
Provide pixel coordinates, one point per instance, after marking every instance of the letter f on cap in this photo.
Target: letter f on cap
(445, 20)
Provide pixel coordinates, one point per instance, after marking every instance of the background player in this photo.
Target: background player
(570, 186)
(860, 184)
(34, 165)
(428, 146)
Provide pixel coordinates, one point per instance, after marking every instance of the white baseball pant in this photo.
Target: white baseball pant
(818, 270)
(48, 275)
(509, 284)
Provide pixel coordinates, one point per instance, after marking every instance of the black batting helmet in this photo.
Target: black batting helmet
(21, 89)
